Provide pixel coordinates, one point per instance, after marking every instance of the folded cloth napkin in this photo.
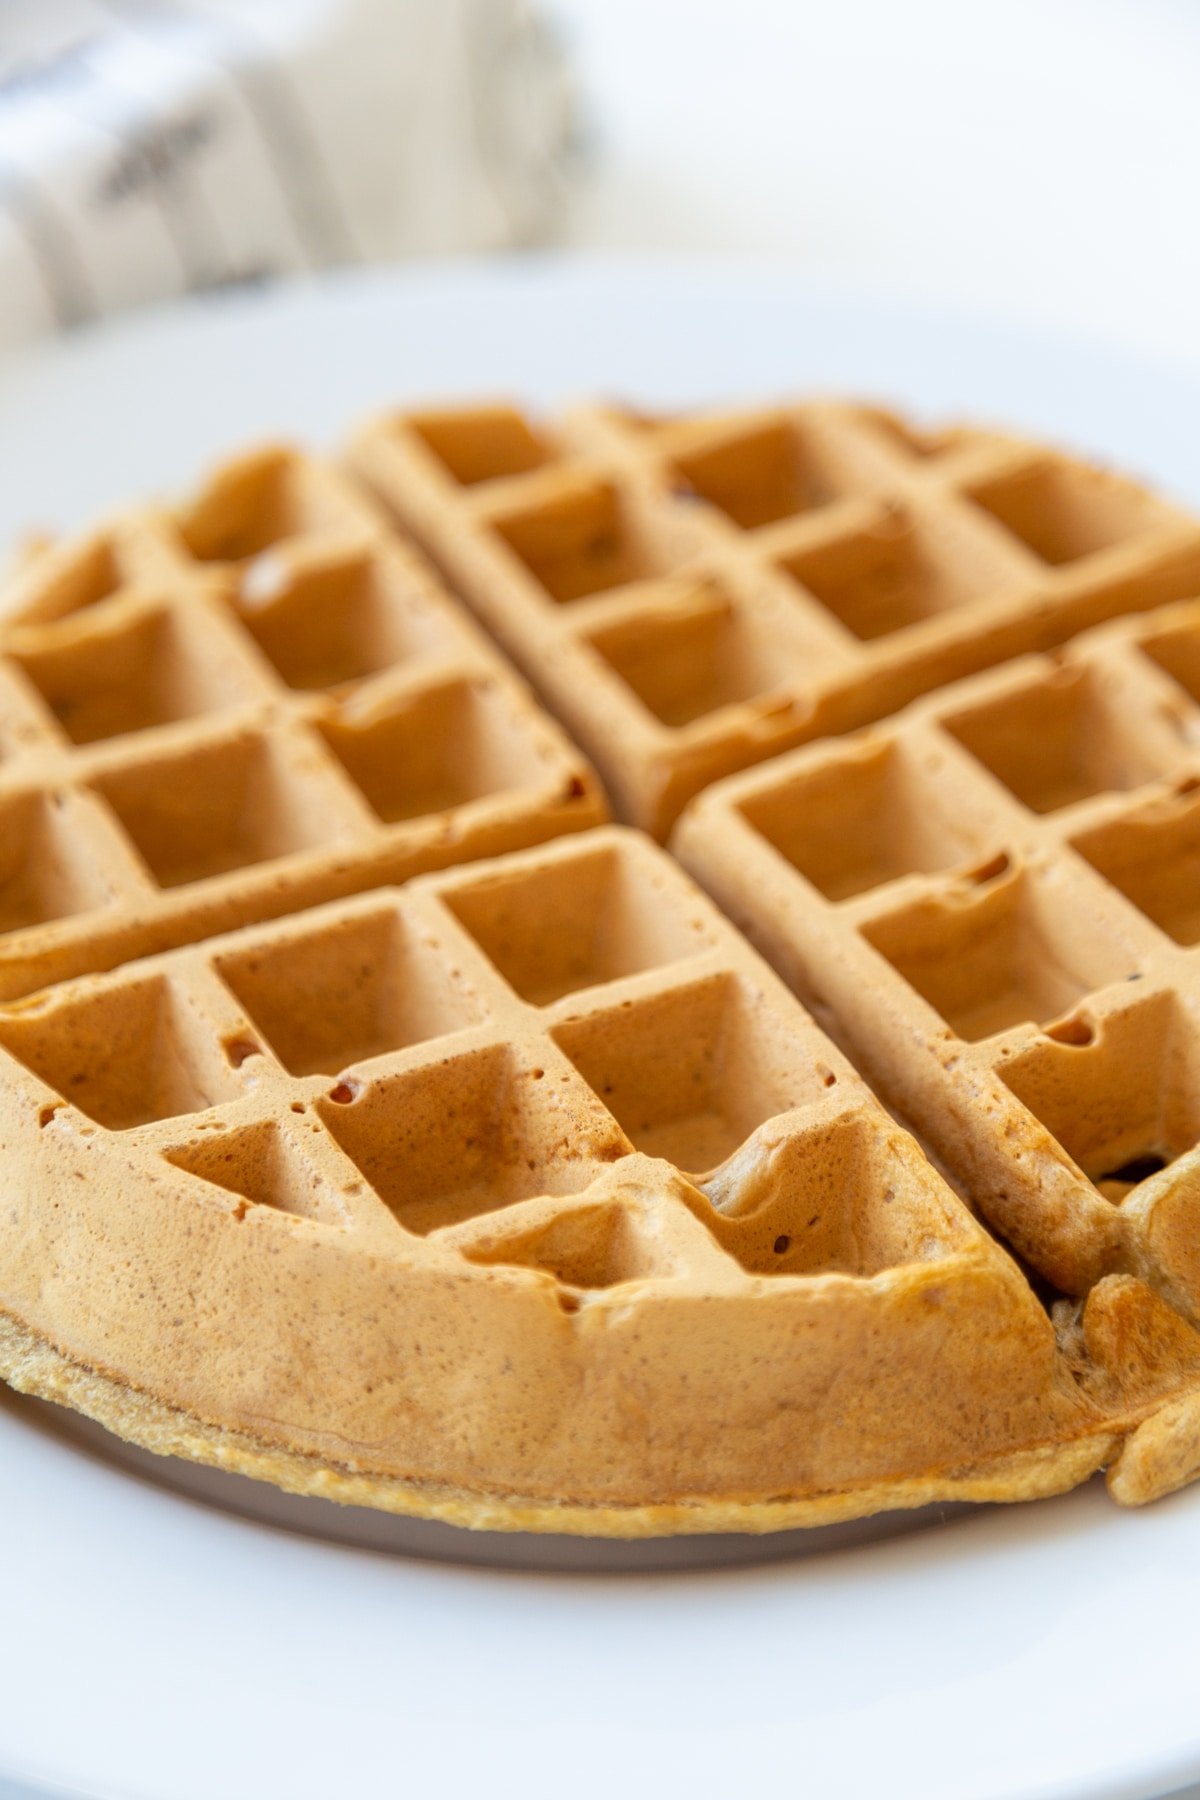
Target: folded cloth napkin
(152, 147)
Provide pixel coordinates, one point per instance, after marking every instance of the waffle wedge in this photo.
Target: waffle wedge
(990, 900)
(387, 1202)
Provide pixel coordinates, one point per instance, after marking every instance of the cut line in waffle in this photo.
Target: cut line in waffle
(696, 594)
(389, 1189)
(256, 703)
(991, 900)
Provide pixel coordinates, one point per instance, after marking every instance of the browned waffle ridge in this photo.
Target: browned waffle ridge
(692, 595)
(520, 1192)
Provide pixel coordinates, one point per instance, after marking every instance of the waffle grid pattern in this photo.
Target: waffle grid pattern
(258, 704)
(409, 1062)
(695, 595)
(992, 901)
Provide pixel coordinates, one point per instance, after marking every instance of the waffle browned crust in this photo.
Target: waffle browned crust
(520, 1192)
(693, 595)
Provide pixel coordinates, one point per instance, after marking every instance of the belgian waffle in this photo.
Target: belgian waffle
(358, 1137)
(694, 595)
(526, 1195)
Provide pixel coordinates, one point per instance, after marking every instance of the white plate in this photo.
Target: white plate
(153, 1646)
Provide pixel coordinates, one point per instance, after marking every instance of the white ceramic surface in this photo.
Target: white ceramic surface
(156, 1647)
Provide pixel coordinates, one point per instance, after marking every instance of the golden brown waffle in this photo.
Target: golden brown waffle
(992, 900)
(260, 702)
(694, 595)
(526, 1195)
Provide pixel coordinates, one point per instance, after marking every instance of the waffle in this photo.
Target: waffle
(254, 703)
(694, 595)
(379, 1122)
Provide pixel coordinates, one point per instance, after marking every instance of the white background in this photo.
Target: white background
(1038, 159)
